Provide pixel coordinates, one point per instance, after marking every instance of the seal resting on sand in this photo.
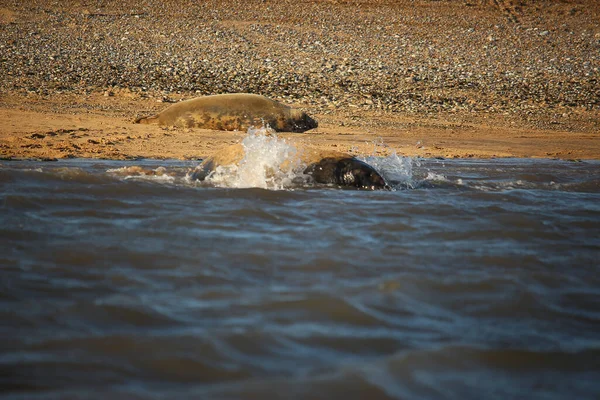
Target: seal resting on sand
(327, 167)
(229, 112)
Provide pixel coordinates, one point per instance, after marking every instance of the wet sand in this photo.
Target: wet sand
(431, 79)
(47, 130)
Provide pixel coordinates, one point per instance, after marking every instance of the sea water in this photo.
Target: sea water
(472, 279)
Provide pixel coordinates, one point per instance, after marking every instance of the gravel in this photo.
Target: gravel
(417, 57)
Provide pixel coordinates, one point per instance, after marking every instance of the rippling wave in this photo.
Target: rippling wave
(473, 279)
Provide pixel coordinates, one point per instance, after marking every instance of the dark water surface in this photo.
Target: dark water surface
(479, 281)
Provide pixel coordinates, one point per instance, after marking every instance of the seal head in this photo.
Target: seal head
(302, 121)
(348, 172)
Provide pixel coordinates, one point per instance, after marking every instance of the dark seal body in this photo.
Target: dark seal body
(230, 112)
(346, 171)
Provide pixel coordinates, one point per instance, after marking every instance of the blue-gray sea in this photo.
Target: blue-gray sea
(474, 279)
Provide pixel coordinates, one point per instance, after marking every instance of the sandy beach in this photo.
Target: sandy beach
(421, 78)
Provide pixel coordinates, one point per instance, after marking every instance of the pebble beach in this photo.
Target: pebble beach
(527, 64)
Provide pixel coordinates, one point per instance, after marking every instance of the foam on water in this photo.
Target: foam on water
(432, 176)
(136, 172)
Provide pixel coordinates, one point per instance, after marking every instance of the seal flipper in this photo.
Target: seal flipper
(199, 174)
(202, 171)
(147, 120)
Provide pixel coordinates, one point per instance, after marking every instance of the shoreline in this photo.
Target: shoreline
(98, 126)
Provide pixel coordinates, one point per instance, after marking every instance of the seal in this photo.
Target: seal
(346, 171)
(229, 112)
(324, 166)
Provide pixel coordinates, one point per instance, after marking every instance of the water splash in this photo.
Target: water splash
(396, 170)
(268, 163)
(272, 163)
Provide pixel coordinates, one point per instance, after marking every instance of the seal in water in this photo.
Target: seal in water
(348, 171)
(229, 112)
(326, 167)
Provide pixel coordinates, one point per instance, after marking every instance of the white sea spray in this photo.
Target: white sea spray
(268, 163)
(432, 176)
